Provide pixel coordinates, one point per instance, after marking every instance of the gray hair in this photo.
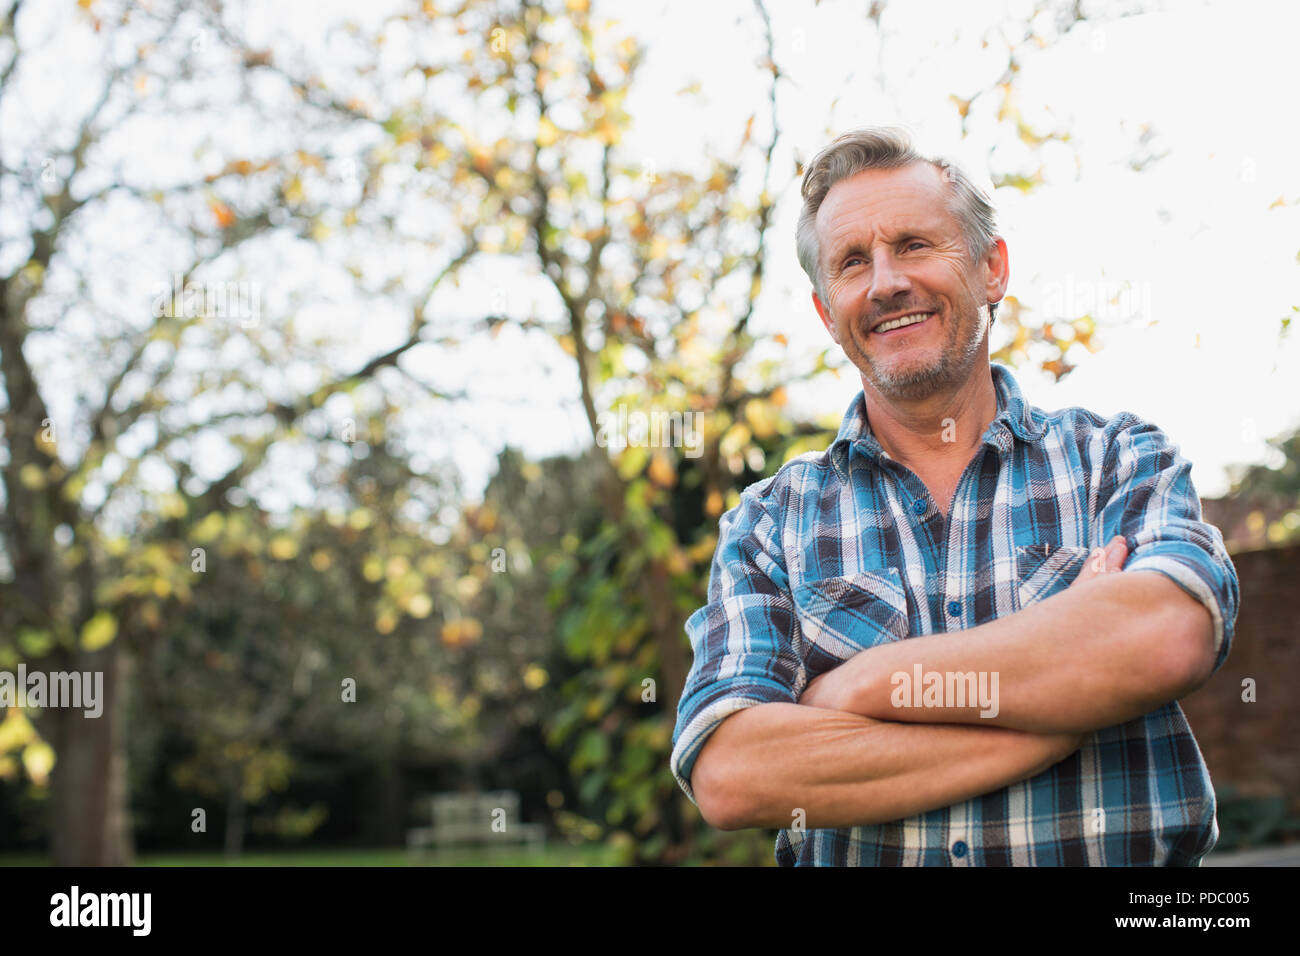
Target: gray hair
(886, 147)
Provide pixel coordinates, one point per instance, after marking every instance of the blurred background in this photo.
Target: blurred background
(326, 329)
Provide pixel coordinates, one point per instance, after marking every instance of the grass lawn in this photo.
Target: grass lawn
(552, 855)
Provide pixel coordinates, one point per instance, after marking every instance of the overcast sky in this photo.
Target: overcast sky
(1206, 267)
(1200, 247)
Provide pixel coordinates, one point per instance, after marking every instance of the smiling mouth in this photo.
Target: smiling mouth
(905, 322)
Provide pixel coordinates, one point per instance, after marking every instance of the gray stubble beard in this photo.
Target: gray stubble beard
(951, 368)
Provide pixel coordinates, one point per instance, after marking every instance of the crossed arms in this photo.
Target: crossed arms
(1109, 648)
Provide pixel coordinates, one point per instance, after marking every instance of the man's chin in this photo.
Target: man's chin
(909, 384)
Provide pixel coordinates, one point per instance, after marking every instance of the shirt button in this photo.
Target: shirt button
(959, 849)
(919, 506)
(954, 608)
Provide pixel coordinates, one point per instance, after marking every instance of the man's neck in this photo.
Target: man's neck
(938, 432)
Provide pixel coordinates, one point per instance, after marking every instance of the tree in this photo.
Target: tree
(103, 382)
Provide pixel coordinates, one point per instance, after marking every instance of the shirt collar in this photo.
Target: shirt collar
(1014, 418)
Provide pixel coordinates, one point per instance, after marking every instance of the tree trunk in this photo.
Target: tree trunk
(88, 786)
(668, 630)
(385, 823)
(235, 814)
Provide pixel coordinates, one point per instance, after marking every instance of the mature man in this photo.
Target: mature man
(958, 635)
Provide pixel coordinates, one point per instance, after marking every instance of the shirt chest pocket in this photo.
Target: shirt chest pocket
(1046, 569)
(839, 617)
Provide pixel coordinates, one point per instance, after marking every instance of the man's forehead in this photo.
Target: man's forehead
(886, 199)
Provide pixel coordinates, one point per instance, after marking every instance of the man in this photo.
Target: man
(958, 635)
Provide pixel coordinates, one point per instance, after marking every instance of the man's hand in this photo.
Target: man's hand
(820, 691)
(1104, 560)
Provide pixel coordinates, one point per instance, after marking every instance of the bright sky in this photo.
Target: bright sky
(1191, 240)
(1196, 242)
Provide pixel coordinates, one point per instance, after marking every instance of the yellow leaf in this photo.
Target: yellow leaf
(99, 631)
(209, 527)
(661, 471)
(547, 132)
(38, 761)
(461, 631)
(703, 549)
(736, 438)
(283, 548)
(32, 477)
(172, 506)
(224, 214)
(609, 133)
(15, 730)
(761, 419)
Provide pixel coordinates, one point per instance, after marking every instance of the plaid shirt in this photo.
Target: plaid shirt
(844, 549)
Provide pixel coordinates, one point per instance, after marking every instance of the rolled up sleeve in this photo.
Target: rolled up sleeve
(744, 639)
(1150, 500)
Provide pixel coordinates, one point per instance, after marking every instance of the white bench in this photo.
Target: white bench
(490, 818)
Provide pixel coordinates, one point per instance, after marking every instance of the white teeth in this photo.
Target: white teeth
(904, 321)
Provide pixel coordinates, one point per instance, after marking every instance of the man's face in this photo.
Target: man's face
(890, 247)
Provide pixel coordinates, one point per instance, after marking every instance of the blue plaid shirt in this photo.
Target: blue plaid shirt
(844, 549)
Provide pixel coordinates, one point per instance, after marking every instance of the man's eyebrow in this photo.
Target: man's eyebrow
(856, 247)
(923, 231)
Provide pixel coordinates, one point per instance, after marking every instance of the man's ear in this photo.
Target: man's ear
(824, 314)
(999, 270)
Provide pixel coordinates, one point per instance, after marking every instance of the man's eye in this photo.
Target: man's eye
(914, 244)
(852, 259)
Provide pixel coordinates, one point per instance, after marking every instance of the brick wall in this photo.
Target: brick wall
(1255, 748)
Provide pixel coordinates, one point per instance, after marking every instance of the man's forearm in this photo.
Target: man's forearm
(1092, 656)
(767, 762)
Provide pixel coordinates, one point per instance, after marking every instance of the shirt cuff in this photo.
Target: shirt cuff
(1192, 580)
(698, 729)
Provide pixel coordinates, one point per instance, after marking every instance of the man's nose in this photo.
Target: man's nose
(887, 280)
